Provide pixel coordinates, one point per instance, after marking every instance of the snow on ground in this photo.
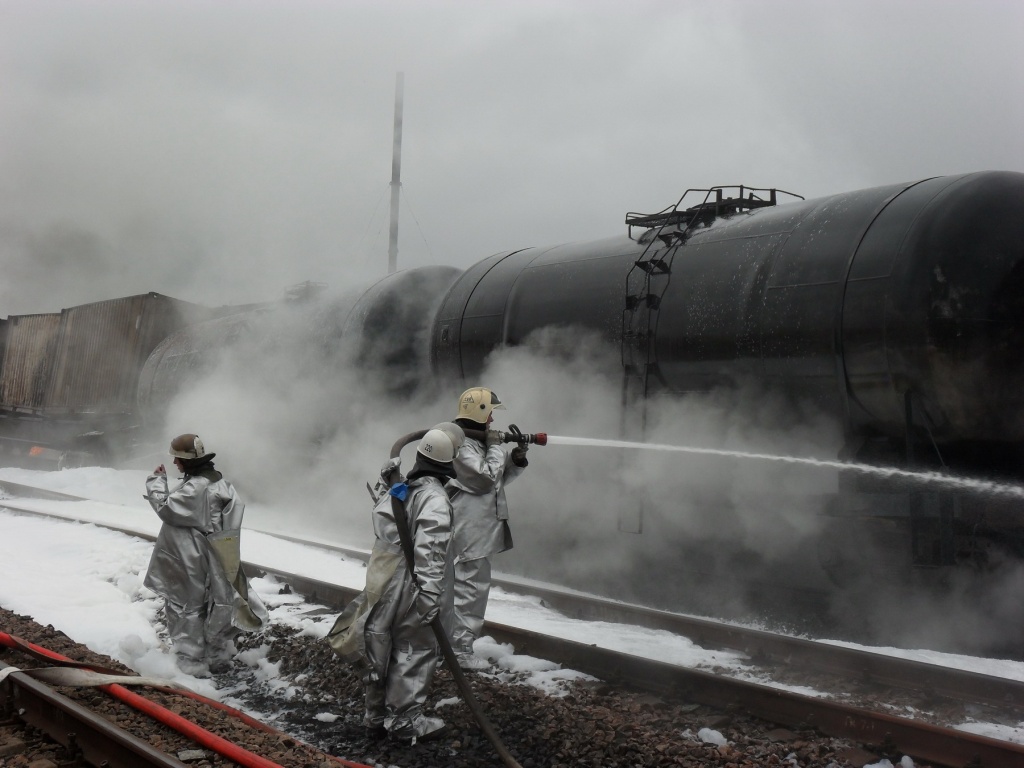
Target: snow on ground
(87, 582)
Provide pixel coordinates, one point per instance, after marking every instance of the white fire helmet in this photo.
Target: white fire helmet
(188, 446)
(439, 444)
(477, 403)
(454, 431)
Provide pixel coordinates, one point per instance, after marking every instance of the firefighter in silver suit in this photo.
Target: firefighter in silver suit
(482, 470)
(386, 628)
(196, 565)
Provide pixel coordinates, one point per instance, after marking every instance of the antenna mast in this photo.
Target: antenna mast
(396, 175)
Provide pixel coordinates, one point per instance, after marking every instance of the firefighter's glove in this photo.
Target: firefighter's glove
(493, 437)
(428, 606)
(519, 456)
(389, 468)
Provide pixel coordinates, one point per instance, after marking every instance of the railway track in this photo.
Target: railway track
(872, 676)
(85, 735)
(859, 682)
(766, 649)
(58, 711)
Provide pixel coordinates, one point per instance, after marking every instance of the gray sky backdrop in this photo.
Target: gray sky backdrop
(221, 151)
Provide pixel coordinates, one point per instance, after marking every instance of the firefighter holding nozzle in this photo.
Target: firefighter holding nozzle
(482, 470)
(196, 561)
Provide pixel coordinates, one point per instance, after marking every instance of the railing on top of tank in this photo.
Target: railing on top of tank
(714, 204)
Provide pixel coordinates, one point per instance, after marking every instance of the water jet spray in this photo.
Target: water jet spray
(935, 478)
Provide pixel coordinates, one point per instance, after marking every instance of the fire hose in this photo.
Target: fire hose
(182, 725)
(402, 522)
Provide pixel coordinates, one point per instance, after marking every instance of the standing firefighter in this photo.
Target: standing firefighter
(386, 628)
(482, 469)
(196, 563)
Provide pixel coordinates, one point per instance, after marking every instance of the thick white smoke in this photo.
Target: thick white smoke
(301, 435)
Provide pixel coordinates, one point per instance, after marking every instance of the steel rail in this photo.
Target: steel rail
(99, 741)
(36, 493)
(764, 648)
(923, 741)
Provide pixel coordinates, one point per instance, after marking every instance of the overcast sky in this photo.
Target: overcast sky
(221, 151)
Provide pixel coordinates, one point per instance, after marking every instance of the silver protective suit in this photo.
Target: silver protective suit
(195, 567)
(481, 530)
(381, 628)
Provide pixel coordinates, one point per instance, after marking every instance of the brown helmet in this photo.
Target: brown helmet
(188, 446)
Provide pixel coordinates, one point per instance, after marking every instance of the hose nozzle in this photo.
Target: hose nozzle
(514, 435)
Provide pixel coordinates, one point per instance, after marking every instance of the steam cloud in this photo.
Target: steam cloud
(301, 428)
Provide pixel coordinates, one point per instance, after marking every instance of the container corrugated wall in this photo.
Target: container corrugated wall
(28, 359)
(102, 348)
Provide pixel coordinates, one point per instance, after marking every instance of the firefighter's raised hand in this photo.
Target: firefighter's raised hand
(161, 470)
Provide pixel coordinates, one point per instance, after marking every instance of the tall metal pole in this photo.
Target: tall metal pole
(396, 175)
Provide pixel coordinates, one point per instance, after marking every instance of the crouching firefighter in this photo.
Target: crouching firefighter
(196, 563)
(386, 629)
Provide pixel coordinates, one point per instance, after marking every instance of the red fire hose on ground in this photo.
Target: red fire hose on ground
(183, 726)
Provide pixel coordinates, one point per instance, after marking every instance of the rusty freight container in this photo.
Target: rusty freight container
(102, 347)
(27, 361)
(69, 379)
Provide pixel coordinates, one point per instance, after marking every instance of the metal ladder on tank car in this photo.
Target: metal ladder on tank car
(648, 279)
(649, 276)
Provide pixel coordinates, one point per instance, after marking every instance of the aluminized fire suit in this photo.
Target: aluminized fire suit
(195, 567)
(382, 628)
(481, 530)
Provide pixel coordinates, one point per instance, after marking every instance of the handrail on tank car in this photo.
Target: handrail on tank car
(671, 227)
(708, 210)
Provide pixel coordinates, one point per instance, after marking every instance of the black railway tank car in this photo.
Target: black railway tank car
(899, 310)
(896, 300)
